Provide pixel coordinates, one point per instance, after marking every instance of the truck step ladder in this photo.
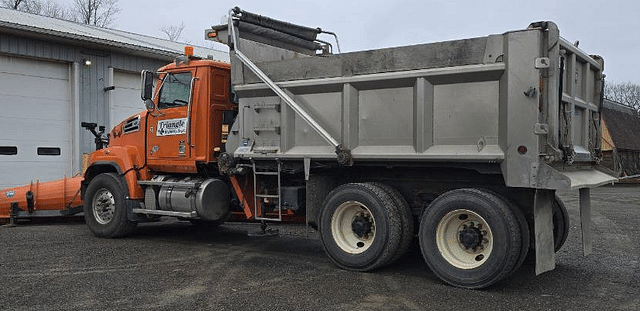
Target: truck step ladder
(262, 216)
(264, 195)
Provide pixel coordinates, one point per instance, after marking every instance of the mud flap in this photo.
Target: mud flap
(585, 219)
(543, 223)
(131, 204)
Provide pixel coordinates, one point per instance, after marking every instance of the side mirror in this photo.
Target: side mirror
(147, 85)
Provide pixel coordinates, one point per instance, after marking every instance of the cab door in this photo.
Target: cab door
(168, 136)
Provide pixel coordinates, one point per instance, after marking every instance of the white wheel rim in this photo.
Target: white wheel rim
(348, 215)
(104, 206)
(455, 248)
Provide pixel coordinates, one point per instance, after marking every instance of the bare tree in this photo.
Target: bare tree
(172, 32)
(625, 93)
(39, 7)
(99, 13)
(29, 6)
(47, 8)
(11, 4)
(53, 9)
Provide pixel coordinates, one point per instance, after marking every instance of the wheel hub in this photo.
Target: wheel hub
(470, 237)
(103, 206)
(361, 226)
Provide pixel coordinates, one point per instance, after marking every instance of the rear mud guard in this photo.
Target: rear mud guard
(543, 223)
(585, 219)
(543, 220)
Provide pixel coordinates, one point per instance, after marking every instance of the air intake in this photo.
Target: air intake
(132, 125)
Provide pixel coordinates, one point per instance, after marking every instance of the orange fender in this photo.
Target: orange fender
(125, 160)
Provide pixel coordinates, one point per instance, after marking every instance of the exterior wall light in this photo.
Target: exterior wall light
(87, 62)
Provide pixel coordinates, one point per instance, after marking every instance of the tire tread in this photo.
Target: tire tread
(406, 220)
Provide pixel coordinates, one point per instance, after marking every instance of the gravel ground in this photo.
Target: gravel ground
(171, 265)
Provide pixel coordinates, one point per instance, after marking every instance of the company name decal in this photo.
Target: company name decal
(172, 127)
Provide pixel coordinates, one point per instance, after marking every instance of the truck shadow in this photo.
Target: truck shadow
(45, 221)
(298, 244)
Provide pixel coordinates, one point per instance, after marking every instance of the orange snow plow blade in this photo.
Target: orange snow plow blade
(42, 199)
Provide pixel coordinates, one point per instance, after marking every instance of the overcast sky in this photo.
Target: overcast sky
(607, 28)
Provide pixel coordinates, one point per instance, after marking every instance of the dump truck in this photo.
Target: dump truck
(459, 145)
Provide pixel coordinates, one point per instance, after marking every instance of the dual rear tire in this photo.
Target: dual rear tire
(364, 226)
(473, 238)
(470, 238)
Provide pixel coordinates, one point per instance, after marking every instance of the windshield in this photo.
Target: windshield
(175, 91)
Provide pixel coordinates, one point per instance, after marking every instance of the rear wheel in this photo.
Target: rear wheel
(560, 223)
(105, 207)
(525, 233)
(470, 238)
(360, 227)
(406, 220)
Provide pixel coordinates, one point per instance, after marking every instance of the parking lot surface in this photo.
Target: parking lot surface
(171, 265)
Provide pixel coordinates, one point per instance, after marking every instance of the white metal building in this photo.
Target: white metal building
(55, 74)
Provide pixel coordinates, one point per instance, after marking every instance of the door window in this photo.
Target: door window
(175, 91)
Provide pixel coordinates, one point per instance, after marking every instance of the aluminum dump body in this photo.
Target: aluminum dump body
(527, 100)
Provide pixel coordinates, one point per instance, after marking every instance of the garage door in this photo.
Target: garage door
(125, 98)
(35, 121)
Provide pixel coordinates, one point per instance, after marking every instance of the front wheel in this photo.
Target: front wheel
(470, 238)
(105, 207)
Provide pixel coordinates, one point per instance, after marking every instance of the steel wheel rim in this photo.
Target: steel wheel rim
(104, 206)
(346, 216)
(452, 238)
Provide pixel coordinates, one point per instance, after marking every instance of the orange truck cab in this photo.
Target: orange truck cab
(163, 161)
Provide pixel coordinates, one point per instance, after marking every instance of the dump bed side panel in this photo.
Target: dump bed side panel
(426, 102)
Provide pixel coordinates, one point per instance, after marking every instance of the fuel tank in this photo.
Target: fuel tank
(209, 197)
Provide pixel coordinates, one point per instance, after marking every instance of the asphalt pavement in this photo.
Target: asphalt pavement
(171, 265)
